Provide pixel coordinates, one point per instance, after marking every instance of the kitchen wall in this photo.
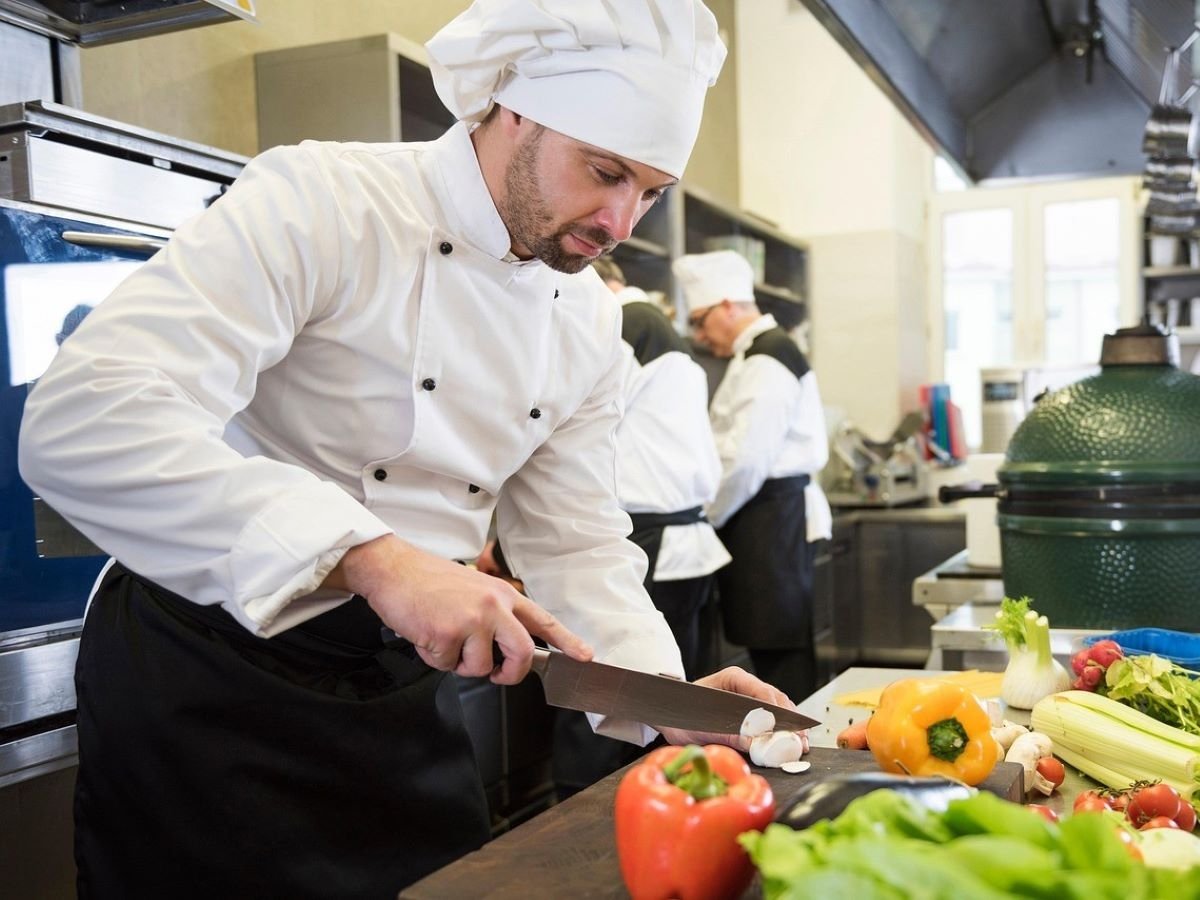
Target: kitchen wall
(826, 156)
(199, 84)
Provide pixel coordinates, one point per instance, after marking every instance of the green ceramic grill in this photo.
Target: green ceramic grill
(1099, 499)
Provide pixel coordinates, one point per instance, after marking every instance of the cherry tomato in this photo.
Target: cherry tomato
(1044, 811)
(1151, 802)
(1091, 801)
(1159, 822)
(1052, 770)
(1186, 820)
(1119, 800)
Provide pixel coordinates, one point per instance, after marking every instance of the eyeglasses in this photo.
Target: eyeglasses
(697, 323)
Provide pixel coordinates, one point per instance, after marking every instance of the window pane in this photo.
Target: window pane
(1082, 297)
(977, 300)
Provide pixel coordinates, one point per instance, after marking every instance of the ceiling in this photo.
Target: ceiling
(1021, 88)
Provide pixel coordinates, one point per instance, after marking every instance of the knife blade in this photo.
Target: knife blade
(656, 700)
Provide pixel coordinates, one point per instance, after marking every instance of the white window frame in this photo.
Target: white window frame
(1027, 204)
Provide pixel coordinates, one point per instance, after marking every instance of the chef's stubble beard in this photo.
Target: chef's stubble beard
(527, 214)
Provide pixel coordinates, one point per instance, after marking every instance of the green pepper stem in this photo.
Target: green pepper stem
(947, 739)
(690, 772)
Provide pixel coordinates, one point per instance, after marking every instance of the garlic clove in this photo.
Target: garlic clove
(774, 749)
(758, 721)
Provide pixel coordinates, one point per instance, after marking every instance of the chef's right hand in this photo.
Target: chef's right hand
(452, 614)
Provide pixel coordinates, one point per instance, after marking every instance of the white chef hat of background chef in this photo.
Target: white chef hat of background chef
(628, 76)
(708, 278)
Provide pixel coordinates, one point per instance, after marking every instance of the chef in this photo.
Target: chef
(289, 424)
(667, 470)
(770, 432)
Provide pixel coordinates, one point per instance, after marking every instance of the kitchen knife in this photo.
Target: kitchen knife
(656, 700)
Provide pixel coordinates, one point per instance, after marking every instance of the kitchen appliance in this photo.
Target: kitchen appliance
(978, 497)
(866, 473)
(83, 202)
(1009, 392)
(1099, 498)
(656, 700)
(91, 23)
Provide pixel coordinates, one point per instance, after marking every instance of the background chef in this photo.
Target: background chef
(284, 434)
(770, 432)
(667, 471)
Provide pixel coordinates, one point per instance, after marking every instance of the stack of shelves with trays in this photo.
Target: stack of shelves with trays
(1171, 289)
(645, 257)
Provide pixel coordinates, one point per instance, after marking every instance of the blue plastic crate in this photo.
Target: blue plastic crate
(1180, 647)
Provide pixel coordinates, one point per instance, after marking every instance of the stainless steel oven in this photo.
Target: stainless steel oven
(83, 202)
(54, 268)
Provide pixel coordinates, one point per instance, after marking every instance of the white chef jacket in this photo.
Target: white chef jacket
(337, 350)
(667, 461)
(768, 424)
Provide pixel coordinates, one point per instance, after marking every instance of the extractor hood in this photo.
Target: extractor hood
(1020, 88)
(94, 22)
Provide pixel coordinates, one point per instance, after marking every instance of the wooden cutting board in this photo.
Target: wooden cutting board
(570, 851)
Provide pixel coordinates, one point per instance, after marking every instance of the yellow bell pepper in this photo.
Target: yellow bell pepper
(929, 727)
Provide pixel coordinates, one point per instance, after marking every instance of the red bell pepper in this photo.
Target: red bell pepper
(678, 815)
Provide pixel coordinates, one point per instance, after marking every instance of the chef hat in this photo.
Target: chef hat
(709, 278)
(628, 76)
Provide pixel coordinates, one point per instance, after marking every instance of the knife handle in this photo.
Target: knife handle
(539, 664)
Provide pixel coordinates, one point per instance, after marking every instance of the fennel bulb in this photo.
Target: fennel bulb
(1032, 673)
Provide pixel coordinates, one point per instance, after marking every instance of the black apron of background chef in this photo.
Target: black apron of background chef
(216, 764)
(766, 591)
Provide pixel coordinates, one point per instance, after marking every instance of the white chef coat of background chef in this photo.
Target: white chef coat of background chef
(768, 424)
(666, 458)
(352, 356)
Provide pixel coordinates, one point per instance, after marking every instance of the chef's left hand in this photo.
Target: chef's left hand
(740, 682)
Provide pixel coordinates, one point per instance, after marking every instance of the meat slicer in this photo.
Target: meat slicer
(866, 473)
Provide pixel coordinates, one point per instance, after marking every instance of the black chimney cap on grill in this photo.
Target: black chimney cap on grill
(1142, 345)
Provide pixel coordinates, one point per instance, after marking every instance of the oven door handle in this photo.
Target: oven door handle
(127, 242)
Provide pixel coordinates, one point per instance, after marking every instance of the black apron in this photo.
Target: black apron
(766, 591)
(213, 763)
(648, 531)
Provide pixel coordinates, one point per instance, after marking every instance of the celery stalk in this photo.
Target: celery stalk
(1117, 745)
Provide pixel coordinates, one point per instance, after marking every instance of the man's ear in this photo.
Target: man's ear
(510, 122)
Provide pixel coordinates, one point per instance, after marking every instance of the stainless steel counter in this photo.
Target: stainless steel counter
(961, 642)
(922, 513)
(878, 552)
(955, 582)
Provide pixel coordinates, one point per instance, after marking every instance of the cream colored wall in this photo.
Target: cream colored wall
(714, 162)
(826, 156)
(199, 84)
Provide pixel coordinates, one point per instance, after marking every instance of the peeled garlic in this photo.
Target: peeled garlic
(774, 749)
(758, 721)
